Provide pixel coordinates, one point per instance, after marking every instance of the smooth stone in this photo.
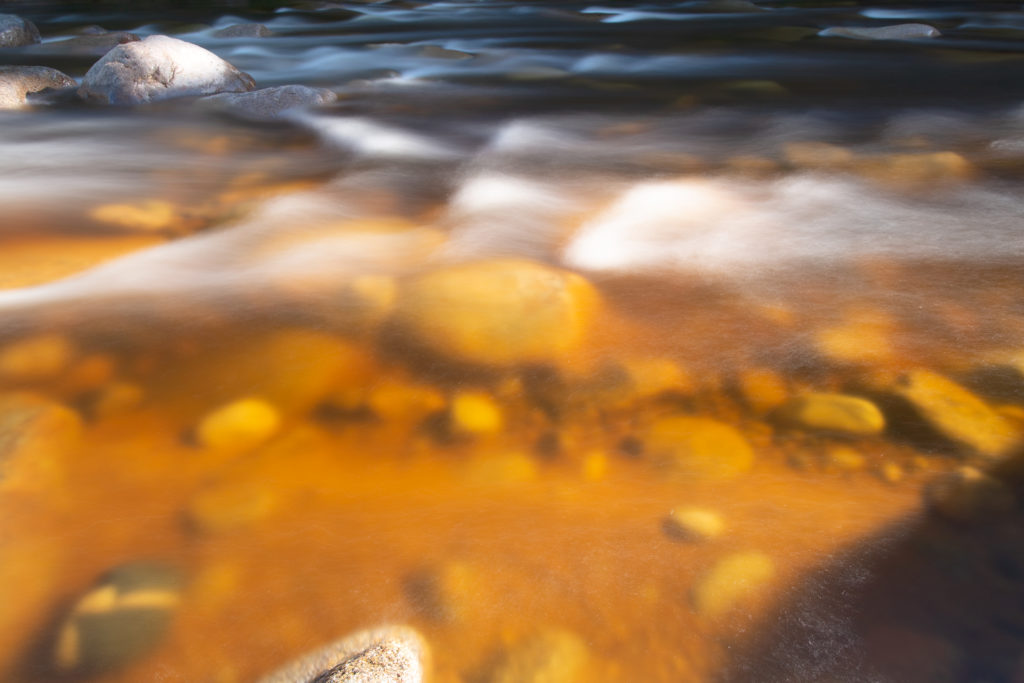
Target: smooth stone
(159, 68)
(845, 459)
(229, 506)
(15, 31)
(124, 616)
(37, 358)
(837, 413)
(957, 414)
(270, 103)
(891, 473)
(650, 377)
(501, 312)
(395, 400)
(549, 656)
(475, 413)
(969, 494)
(238, 426)
(694, 524)
(390, 654)
(698, 446)
(895, 32)
(763, 390)
(18, 81)
(34, 431)
(243, 31)
(733, 582)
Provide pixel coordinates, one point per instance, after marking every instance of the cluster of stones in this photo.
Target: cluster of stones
(135, 72)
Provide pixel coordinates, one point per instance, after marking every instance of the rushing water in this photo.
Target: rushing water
(543, 273)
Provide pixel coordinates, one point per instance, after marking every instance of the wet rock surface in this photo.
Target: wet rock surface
(270, 103)
(15, 31)
(158, 68)
(18, 81)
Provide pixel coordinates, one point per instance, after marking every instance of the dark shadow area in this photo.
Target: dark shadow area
(933, 599)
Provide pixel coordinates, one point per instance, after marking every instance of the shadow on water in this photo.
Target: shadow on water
(934, 598)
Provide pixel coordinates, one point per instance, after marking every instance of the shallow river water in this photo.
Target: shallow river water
(664, 341)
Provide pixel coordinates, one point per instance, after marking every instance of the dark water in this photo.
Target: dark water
(747, 199)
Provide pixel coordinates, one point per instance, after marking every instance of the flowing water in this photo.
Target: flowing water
(448, 351)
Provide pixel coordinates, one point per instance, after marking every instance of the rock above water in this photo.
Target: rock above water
(270, 103)
(895, 32)
(957, 414)
(159, 68)
(243, 31)
(501, 312)
(549, 656)
(121, 618)
(698, 446)
(391, 654)
(18, 81)
(15, 31)
(833, 413)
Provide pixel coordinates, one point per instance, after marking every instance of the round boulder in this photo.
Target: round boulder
(501, 312)
(15, 31)
(160, 68)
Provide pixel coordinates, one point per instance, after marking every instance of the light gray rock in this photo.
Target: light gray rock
(18, 81)
(895, 32)
(160, 68)
(390, 654)
(270, 103)
(244, 31)
(15, 31)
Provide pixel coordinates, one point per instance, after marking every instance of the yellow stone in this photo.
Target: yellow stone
(845, 458)
(891, 473)
(958, 414)
(117, 398)
(396, 400)
(833, 413)
(652, 376)
(595, 466)
(698, 446)
(865, 337)
(733, 582)
(35, 358)
(548, 656)
(238, 426)
(694, 524)
(229, 506)
(501, 312)
(762, 389)
(475, 413)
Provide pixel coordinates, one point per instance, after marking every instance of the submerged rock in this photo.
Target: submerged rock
(548, 656)
(243, 31)
(270, 103)
(159, 68)
(957, 414)
(445, 593)
(121, 618)
(833, 413)
(15, 31)
(895, 32)
(239, 425)
(36, 358)
(698, 446)
(33, 430)
(18, 81)
(969, 494)
(390, 654)
(500, 312)
(694, 524)
(734, 581)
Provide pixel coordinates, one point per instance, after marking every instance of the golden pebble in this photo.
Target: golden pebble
(732, 582)
(694, 524)
(240, 425)
(475, 413)
(35, 358)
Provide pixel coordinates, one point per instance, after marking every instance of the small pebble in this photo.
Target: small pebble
(228, 506)
(694, 524)
(891, 473)
(475, 414)
(238, 426)
(836, 413)
(698, 446)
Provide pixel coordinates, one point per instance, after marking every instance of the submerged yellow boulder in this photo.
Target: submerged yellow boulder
(734, 582)
(500, 312)
(240, 425)
(698, 446)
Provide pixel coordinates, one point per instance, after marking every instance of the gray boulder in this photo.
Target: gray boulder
(243, 31)
(895, 32)
(270, 103)
(391, 654)
(18, 81)
(160, 68)
(15, 31)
